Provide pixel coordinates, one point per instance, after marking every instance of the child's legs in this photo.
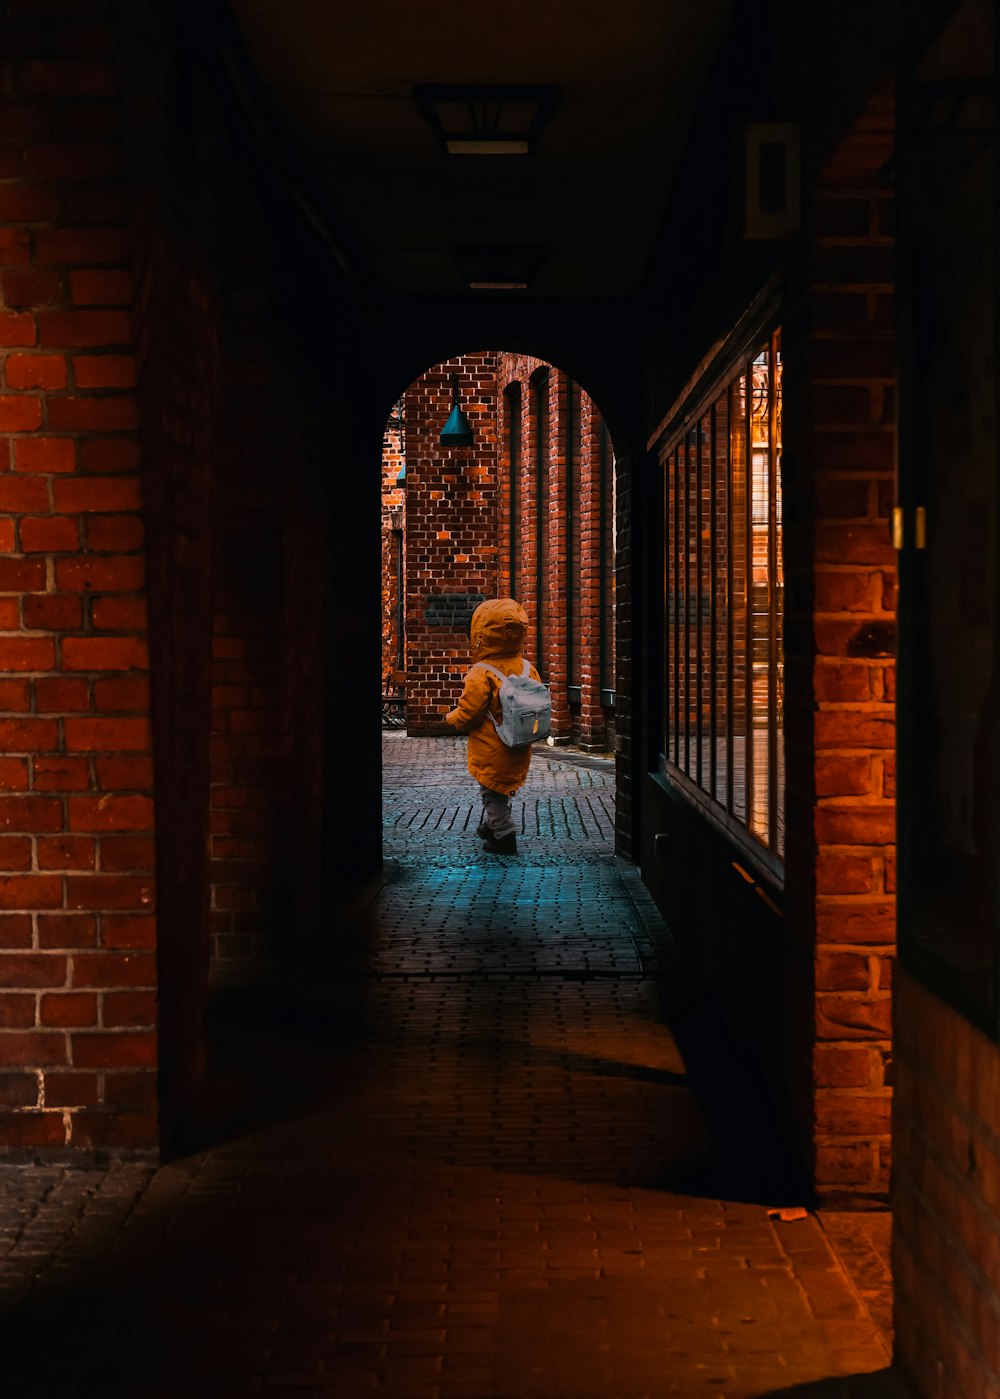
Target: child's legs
(496, 809)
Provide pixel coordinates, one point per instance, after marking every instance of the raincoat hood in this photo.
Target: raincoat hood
(497, 634)
(498, 628)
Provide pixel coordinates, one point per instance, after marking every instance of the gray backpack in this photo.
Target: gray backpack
(526, 706)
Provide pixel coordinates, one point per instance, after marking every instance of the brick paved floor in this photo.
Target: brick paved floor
(439, 1173)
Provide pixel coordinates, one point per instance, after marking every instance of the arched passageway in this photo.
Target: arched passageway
(525, 508)
(231, 234)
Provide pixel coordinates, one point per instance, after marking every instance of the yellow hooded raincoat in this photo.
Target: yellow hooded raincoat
(498, 631)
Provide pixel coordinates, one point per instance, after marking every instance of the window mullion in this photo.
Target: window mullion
(748, 722)
(772, 597)
(699, 654)
(713, 619)
(730, 689)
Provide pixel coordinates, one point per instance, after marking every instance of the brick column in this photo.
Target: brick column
(78, 1040)
(592, 725)
(529, 540)
(840, 643)
(628, 636)
(589, 725)
(525, 593)
(393, 526)
(248, 644)
(556, 670)
(518, 369)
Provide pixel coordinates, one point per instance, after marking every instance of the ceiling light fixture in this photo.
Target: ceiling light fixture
(494, 119)
(510, 267)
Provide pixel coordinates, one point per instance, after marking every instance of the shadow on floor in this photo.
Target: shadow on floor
(276, 1052)
(878, 1384)
(273, 1053)
(279, 1055)
(752, 1158)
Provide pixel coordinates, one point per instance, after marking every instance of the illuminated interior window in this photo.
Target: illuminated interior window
(723, 585)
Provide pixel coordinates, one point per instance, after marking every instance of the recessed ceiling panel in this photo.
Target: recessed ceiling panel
(341, 78)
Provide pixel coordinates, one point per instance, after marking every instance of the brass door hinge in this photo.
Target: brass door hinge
(919, 527)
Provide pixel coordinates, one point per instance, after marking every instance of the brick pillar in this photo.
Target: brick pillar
(947, 1121)
(306, 547)
(452, 521)
(517, 370)
(393, 527)
(628, 635)
(588, 724)
(269, 589)
(507, 404)
(248, 646)
(529, 540)
(78, 1043)
(556, 670)
(592, 724)
(525, 570)
(840, 643)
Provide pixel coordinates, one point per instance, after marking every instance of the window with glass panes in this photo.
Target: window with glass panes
(722, 735)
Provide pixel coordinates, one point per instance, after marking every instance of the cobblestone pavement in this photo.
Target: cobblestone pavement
(441, 1173)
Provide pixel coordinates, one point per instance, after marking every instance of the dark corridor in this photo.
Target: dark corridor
(452, 1177)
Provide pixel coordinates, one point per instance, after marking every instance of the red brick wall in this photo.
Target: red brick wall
(519, 370)
(451, 528)
(78, 1042)
(595, 724)
(584, 721)
(946, 1191)
(274, 636)
(840, 644)
(175, 317)
(393, 529)
(305, 903)
(248, 736)
(554, 531)
(163, 431)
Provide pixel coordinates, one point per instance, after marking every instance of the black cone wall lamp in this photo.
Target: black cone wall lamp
(457, 431)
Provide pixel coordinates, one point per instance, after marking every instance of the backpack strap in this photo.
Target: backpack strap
(501, 676)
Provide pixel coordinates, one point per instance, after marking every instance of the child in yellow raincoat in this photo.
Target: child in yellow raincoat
(498, 631)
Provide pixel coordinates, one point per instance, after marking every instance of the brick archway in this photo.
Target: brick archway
(476, 525)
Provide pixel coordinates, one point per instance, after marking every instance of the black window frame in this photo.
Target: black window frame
(691, 618)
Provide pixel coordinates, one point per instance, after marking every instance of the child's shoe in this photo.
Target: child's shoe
(483, 829)
(501, 845)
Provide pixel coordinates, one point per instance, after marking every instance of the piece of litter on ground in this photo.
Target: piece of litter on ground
(789, 1213)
